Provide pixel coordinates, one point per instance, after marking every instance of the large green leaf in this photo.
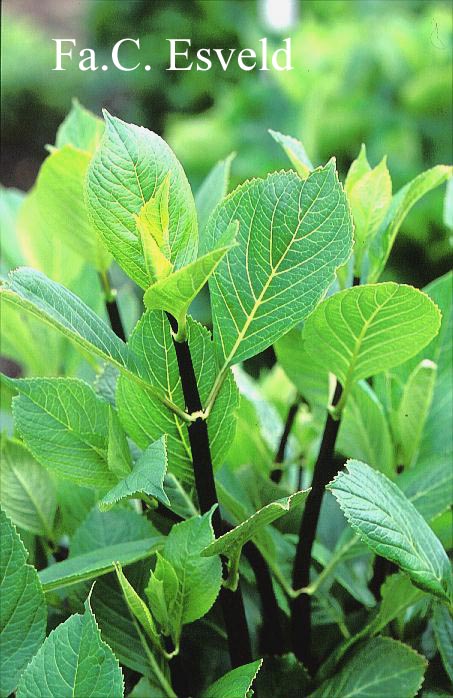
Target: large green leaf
(364, 330)
(27, 493)
(60, 197)
(429, 485)
(198, 578)
(293, 234)
(66, 427)
(142, 416)
(80, 128)
(231, 543)
(295, 152)
(410, 417)
(175, 292)
(382, 668)
(443, 631)
(212, 190)
(73, 662)
(400, 206)
(364, 432)
(125, 172)
(22, 611)
(146, 477)
(392, 527)
(236, 684)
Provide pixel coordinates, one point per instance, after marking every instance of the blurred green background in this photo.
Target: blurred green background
(372, 71)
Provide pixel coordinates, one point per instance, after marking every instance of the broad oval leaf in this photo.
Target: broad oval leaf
(80, 128)
(73, 662)
(66, 427)
(293, 234)
(23, 613)
(391, 526)
(382, 668)
(27, 492)
(126, 170)
(366, 329)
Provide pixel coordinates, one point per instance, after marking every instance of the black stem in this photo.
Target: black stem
(324, 470)
(231, 602)
(112, 307)
(277, 473)
(271, 637)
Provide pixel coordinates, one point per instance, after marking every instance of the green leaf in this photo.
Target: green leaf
(443, 631)
(212, 190)
(10, 202)
(410, 417)
(366, 329)
(370, 199)
(136, 605)
(364, 432)
(392, 527)
(382, 668)
(119, 459)
(448, 204)
(80, 128)
(73, 662)
(27, 493)
(162, 593)
(282, 677)
(65, 426)
(400, 206)
(236, 684)
(295, 152)
(285, 261)
(59, 192)
(145, 420)
(231, 543)
(429, 485)
(60, 308)
(147, 477)
(308, 375)
(199, 579)
(175, 292)
(23, 610)
(124, 174)
(359, 167)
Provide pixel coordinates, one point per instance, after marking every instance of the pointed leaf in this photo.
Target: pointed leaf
(23, 610)
(136, 605)
(73, 663)
(124, 174)
(392, 527)
(176, 292)
(382, 668)
(162, 593)
(231, 543)
(402, 203)
(236, 684)
(295, 152)
(212, 190)
(293, 234)
(410, 418)
(364, 330)
(27, 493)
(80, 128)
(146, 477)
(359, 167)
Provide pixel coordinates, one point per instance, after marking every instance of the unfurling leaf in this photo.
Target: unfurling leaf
(136, 605)
(152, 226)
(295, 152)
(23, 609)
(73, 662)
(391, 526)
(127, 170)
